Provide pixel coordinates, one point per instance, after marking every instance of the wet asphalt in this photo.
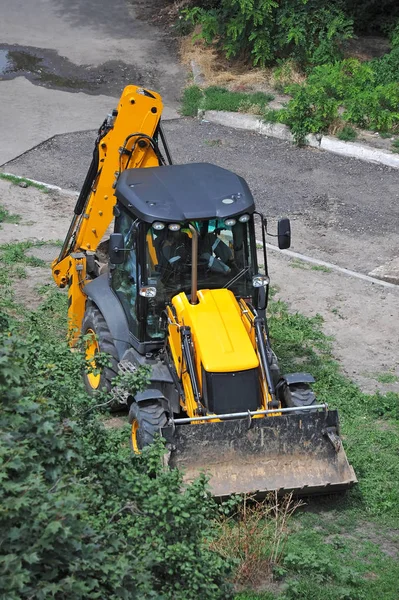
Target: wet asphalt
(63, 65)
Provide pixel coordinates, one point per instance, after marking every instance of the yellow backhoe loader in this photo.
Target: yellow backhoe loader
(182, 293)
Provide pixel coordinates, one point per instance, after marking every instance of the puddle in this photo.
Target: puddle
(4, 61)
(14, 62)
(45, 67)
(23, 61)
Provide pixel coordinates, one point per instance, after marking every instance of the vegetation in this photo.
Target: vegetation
(7, 217)
(16, 180)
(218, 98)
(83, 518)
(350, 84)
(266, 30)
(347, 134)
(308, 36)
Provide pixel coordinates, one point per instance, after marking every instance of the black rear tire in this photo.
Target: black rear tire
(94, 322)
(146, 419)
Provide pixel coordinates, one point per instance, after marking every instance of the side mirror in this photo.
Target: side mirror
(116, 248)
(284, 234)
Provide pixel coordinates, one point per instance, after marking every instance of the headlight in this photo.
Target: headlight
(148, 291)
(260, 281)
(158, 225)
(230, 222)
(244, 218)
(174, 226)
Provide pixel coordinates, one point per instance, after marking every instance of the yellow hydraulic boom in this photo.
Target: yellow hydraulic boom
(114, 152)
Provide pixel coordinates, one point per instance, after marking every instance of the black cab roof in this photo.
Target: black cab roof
(189, 192)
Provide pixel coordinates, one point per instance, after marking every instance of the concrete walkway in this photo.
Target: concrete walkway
(86, 35)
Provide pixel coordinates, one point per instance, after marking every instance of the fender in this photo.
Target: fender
(108, 303)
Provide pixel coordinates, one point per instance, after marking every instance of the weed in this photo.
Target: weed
(16, 253)
(295, 263)
(191, 101)
(347, 134)
(322, 268)
(270, 115)
(16, 180)
(213, 143)
(255, 596)
(219, 98)
(255, 536)
(387, 378)
(395, 146)
(7, 217)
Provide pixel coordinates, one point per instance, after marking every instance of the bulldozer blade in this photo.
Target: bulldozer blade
(293, 452)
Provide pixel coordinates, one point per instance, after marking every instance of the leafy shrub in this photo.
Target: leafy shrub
(311, 110)
(347, 134)
(81, 517)
(386, 68)
(349, 84)
(265, 30)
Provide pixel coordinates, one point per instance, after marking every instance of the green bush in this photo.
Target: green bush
(352, 85)
(265, 30)
(311, 110)
(347, 134)
(80, 516)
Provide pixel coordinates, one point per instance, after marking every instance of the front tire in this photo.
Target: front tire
(298, 395)
(99, 339)
(146, 420)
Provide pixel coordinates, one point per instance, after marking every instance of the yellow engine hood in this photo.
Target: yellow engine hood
(220, 339)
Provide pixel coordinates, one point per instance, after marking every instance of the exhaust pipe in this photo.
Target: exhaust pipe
(194, 265)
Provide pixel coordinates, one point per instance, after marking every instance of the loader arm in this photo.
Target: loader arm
(126, 139)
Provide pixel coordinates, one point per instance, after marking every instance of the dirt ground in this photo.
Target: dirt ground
(360, 315)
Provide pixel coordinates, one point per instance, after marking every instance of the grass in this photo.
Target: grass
(7, 217)
(13, 259)
(218, 98)
(345, 546)
(387, 378)
(321, 268)
(29, 183)
(11, 254)
(213, 143)
(296, 263)
(395, 146)
(347, 134)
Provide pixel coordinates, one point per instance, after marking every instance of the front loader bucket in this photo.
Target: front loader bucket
(292, 452)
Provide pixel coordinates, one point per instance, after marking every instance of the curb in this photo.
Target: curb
(282, 132)
(393, 284)
(49, 186)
